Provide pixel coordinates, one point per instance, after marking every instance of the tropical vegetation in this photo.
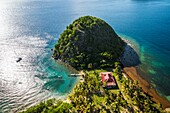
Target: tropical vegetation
(90, 97)
(87, 43)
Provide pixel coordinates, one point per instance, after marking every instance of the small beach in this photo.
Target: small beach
(130, 60)
(132, 73)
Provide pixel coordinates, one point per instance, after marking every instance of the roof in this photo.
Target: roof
(107, 76)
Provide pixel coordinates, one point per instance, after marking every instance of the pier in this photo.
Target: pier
(76, 75)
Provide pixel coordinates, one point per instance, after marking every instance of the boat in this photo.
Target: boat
(19, 59)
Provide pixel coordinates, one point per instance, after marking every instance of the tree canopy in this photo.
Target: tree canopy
(89, 42)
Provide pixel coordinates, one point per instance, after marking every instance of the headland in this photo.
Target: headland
(90, 45)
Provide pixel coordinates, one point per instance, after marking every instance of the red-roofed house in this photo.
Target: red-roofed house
(108, 80)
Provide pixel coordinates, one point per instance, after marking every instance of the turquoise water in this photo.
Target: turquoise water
(30, 28)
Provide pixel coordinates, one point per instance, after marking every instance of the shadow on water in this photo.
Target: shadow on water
(130, 57)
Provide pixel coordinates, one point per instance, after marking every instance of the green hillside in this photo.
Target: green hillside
(89, 42)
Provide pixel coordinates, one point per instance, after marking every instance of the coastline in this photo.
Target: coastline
(130, 60)
(132, 73)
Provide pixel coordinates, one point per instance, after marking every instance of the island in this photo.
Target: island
(92, 47)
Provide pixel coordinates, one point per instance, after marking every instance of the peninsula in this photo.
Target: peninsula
(92, 47)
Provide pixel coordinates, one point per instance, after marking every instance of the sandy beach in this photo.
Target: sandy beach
(132, 73)
(130, 60)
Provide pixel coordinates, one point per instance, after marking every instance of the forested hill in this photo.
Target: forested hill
(89, 42)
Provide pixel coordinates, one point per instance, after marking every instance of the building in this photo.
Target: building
(108, 80)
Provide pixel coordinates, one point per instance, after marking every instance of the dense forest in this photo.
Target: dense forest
(90, 97)
(89, 42)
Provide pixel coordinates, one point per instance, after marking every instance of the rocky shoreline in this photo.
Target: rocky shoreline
(129, 56)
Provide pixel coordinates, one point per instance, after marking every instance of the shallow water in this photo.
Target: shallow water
(30, 28)
(36, 77)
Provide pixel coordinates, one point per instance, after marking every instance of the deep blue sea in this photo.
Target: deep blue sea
(30, 28)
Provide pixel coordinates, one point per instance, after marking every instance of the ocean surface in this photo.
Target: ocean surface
(30, 28)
